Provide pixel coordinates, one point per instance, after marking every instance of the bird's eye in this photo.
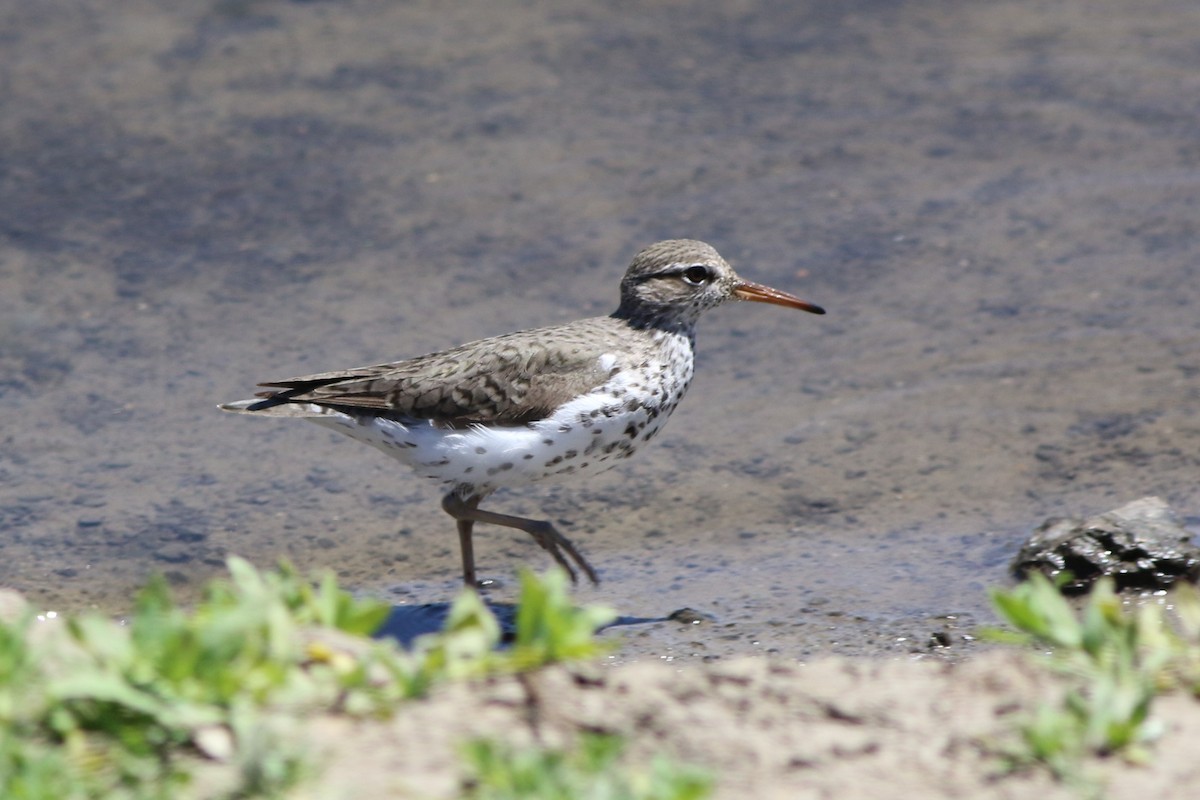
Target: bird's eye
(697, 275)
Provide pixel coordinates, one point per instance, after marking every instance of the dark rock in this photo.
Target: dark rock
(690, 616)
(1142, 545)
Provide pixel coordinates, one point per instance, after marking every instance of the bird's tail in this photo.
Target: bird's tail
(279, 408)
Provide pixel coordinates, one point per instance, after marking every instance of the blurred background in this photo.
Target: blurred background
(996, 201)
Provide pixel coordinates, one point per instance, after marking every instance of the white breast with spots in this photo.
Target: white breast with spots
(586, 435)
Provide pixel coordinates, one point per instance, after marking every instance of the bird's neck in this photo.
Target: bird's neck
(650, 318)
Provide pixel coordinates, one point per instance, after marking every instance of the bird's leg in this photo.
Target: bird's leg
(467, 511)
(468, 550)
(454, 505)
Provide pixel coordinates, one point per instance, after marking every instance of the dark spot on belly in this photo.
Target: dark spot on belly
(481, 450)
(570, 454)
(527, 456)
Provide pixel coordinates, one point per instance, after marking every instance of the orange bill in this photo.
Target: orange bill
(748, 290)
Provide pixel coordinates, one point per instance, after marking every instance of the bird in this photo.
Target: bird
(536, 405)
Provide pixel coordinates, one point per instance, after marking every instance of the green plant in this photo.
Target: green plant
(1119, 660)
(90, 708)
(550, 628)
(589, 772)
(133, 701)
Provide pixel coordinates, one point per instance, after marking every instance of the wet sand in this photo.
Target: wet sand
(996, 202)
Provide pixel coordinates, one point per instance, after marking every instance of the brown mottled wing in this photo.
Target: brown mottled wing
(515, 378)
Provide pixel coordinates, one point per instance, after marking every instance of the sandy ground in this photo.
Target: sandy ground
(834, 728)
(996, 201)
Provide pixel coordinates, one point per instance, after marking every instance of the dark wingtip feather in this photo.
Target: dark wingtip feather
(269, 402)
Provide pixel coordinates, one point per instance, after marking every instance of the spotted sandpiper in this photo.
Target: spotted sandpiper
(533, 405)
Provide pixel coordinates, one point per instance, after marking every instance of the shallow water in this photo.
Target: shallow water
(996, 202)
